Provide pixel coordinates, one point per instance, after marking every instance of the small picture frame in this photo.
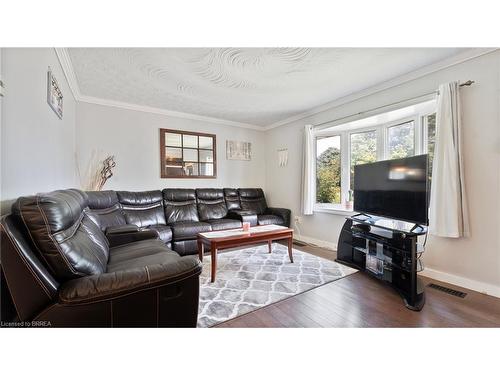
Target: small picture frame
(237, 150)
(54, 94)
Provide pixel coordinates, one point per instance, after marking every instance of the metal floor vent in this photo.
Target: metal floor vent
(444, 289)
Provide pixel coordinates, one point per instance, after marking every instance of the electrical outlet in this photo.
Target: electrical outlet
(298, 219)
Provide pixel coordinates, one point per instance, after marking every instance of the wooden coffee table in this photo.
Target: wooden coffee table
(224, 239)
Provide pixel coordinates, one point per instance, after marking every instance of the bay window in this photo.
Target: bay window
(398, 134)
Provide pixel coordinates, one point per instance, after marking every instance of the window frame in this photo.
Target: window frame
(163, 146)
(420, 146)
(393, 124)
(316, 203)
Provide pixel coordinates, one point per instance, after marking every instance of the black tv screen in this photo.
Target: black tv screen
(396, 189)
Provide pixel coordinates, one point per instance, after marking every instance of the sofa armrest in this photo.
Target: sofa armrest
(245, 216)
(119, 229)
(107, 286)
(123, 238)
(284, 213)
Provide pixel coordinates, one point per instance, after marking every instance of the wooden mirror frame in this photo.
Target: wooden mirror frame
(163, 162)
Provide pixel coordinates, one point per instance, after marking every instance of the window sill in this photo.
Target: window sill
(333, 209)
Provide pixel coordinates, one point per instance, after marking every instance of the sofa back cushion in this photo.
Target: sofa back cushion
(70, 243)
(180, 205)
(142, 208)
(211, 204)
(105, 210)
(232, 199)
(253, 200)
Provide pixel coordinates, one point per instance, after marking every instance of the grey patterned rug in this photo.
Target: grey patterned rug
(250, 278)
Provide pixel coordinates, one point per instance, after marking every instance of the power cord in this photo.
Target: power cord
(419, 261)
(425, 240)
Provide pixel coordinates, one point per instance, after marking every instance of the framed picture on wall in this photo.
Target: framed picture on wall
(54, 94)
(237, 150)
(187, 154)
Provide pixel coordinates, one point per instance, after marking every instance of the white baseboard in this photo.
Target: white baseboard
(478, 286)
(315, 241)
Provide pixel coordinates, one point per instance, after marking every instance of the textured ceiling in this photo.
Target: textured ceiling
(258, 86)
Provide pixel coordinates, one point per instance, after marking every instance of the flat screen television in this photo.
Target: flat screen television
(396, 189)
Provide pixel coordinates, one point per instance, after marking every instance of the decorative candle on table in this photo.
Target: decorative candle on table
(246, 227)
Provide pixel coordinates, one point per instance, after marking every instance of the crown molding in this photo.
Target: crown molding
(69, 73)
(67, 67)
(469, 54)
(165, 112)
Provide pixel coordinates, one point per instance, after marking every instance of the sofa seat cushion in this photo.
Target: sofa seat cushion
(132, 267)
(270, 219)
(223, 224)
(164, 232)
(188, 230)
(139, 254)
(244, 216)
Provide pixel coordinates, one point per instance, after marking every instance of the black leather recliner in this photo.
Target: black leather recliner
(181, 213)
(255, 201)
(60, 269)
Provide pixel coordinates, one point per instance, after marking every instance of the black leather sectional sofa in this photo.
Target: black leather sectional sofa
(71, 258)
(178, 215)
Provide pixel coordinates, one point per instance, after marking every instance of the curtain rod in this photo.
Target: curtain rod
(436, 92)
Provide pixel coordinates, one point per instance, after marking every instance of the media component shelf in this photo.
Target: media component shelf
(387, 250)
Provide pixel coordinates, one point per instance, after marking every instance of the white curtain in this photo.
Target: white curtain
(448, 207)
(308, 171)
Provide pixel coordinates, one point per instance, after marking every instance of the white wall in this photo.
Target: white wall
(37, 148)
(133, 137)
(473, 262)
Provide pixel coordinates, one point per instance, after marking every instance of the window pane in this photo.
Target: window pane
(206, 142)
(190, 155)
(363, 150)
(173, 139)
(190, 141)
(174, 169)
(173, 155)
(206, 169)
(328, 176)
(431, 139)
(206, 156)
(191, 169)
(401, 141)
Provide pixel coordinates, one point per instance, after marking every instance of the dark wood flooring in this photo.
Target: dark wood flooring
(361, 301)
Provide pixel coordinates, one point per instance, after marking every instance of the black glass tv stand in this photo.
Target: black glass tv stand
(387, 250)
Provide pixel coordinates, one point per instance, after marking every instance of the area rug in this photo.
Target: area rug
(251, 278)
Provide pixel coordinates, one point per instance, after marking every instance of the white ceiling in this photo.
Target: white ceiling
(257, 86)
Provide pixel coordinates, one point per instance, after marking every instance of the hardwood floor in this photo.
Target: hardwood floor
(361, 301)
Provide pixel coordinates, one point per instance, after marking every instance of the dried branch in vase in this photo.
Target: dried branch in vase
(98, 171)
(106, 172)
